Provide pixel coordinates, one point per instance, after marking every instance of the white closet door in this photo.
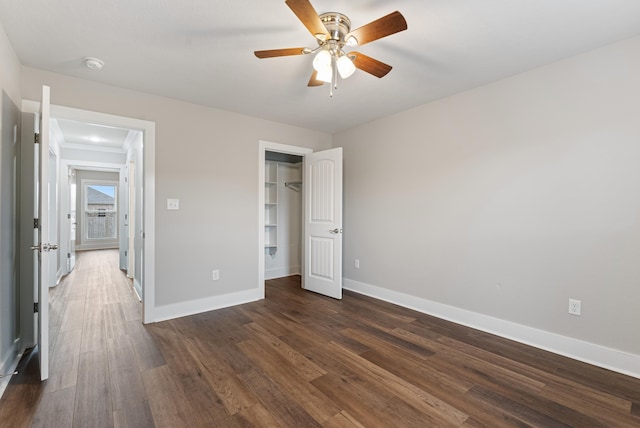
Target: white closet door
(323, 222)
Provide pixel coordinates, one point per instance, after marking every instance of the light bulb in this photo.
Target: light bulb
(345, 66)
(322, 60)
(351, 41)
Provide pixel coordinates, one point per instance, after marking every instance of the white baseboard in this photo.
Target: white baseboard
(8, 364)
(137, 288)
(591, 353)
(192, 307)
(280, 272)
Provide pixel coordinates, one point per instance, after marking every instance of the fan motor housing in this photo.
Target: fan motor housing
(337, 24)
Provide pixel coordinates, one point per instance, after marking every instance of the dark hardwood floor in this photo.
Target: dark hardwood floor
(295, 359)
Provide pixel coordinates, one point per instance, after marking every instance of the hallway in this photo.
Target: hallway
(98, 350)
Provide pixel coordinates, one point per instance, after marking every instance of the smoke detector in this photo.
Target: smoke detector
(93, 63)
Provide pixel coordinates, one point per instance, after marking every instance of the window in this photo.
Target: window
(101, 211)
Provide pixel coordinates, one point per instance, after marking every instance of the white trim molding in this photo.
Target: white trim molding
(138, 289)
(8, 365)
(192, 307)
(280, 272)
(591, 353)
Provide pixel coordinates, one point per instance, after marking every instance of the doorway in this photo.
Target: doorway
(321, 222)
(137, 250)
(265, 247)
(283, 215)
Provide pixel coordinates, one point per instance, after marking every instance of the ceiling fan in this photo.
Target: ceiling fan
(333, 33)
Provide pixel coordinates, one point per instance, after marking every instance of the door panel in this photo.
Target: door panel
(42, 245)
(323, 222)
(123, 212)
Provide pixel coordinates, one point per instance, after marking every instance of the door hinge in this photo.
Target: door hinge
(68, 255)
(36, 138)
(36, 223)
(125, 254)
(69, 216)
(35, 307)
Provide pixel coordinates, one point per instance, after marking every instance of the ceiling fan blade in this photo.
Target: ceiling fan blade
(309, 17)
(383, 27)
(370, 65)
(281, 52)
(313, 81)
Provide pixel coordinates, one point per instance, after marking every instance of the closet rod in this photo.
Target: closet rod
(293, 185)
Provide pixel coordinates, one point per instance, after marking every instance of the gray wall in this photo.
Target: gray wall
(9, 210)
(208, 159)
(509, 199)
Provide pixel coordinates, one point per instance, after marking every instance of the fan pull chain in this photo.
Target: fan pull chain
(334, 75)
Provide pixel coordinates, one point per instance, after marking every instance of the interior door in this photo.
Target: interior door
(323, 222)
(123, 212)
(42, 245)
(71, 256)
(132, 221)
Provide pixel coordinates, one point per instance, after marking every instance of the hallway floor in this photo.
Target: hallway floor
(98, 348)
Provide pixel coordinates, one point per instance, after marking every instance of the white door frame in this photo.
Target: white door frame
(148, 205)
(263, 147)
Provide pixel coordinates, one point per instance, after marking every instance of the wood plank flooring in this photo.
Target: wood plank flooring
(295, 359)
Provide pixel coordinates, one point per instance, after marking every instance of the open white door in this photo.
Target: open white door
(71, 218)
(323, 222)
(131, 242)
(42, 245)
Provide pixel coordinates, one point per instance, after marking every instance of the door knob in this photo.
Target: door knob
(44, 247)
(335, 231)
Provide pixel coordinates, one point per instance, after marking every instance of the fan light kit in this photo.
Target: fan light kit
(333, 33)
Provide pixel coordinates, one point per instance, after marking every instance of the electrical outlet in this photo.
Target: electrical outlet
(356, 263)
(173, 204)
(215, 275)
(575, 307)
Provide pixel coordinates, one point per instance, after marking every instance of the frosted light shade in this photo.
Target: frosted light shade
(345, 66)
(325, 74)
(322, 60)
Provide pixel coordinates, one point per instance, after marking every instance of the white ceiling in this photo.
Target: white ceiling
(89, 136)
(202, 50)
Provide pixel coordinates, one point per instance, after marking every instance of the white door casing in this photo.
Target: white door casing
(263, 147)
(323, 222)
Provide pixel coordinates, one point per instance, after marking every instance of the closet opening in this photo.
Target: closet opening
(280, 249)
(282, 215)
(300, 217)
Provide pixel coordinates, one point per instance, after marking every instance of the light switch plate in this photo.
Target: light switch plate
(173, 204)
